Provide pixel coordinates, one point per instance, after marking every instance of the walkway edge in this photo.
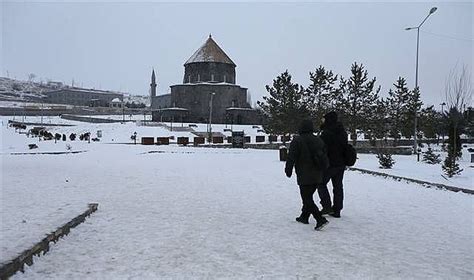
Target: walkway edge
(420, 182)
(26, 257)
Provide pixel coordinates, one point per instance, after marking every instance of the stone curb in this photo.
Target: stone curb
(420, 182)
(47, 153)
(26, 257)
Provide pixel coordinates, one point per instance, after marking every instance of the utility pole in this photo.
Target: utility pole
(415, 142)
(210, 117)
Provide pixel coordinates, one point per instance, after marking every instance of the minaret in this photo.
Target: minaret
(153, 84)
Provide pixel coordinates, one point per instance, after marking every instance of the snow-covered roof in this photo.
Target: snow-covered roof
(116, 100)
(239, 109)
(210, 52)
(75, 89)
(177, 109)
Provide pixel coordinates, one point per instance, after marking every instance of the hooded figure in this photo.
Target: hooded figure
(309, 175)
(335, 138)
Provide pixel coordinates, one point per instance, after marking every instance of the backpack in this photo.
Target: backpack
(350, 155)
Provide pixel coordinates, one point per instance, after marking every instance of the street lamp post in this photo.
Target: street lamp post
(442, 112)
(432, 10)
(210, 117)
(42, 113)
(123, 112)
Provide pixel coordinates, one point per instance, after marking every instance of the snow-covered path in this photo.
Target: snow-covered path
(205, 213)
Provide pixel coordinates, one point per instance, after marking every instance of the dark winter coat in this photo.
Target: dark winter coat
(300, 157)
(335, 137)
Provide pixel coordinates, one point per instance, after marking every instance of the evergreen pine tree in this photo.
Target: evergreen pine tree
(360, 97)
(284, 108)
(455, 123)
(397, 107)
(385, 159)
(413, 107)
(321, 95)
(430, 157)
(450, 166)
(379, 121)
(469, 117)
(428, 122)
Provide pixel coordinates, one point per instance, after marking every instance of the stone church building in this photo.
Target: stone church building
(208, 83)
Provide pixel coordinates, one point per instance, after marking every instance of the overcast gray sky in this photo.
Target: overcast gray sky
(114, 45)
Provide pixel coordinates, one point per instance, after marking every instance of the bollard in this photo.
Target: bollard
(283, 153)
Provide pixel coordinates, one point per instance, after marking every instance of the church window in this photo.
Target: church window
(199, 78)
(212, 77)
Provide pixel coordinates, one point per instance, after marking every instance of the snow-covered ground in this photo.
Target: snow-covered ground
(406, 166)
(183, 212)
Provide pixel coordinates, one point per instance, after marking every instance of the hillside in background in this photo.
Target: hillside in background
(30, 91)
(16, 90)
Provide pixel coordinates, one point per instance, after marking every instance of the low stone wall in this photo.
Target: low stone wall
(393, 150)
(403, 142)
(77, 110)
(48, 153)
(276, 146)
(38, 124)
(26, 257)
(88, 119)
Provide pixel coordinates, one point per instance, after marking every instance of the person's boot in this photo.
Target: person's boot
(326, 211)
(303, 218)
(336, 213)
(321, 223)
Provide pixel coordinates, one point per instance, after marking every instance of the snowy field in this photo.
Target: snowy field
(405, 166)
(194, 213)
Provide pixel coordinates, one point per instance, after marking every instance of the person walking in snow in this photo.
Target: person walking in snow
(335, 137)
(308, 155)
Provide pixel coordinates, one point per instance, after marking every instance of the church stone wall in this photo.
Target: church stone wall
(209, 72)
(196, 98)
(161, 101)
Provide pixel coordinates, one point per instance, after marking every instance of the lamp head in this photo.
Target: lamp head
(433, 10)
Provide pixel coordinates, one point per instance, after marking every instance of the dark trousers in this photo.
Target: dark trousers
(335, 174)
(309, 207)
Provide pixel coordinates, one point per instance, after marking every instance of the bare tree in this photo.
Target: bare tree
(458, 92)
(31, 77)
(458, 88)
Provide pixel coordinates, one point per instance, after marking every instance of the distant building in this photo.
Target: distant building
(82, 97)
(116, 103)
(54, 85)
(208, 74)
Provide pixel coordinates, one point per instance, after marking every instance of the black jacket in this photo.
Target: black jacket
(335, 137)
(300, 157)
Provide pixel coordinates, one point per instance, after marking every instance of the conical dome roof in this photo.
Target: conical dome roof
(210, 52)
